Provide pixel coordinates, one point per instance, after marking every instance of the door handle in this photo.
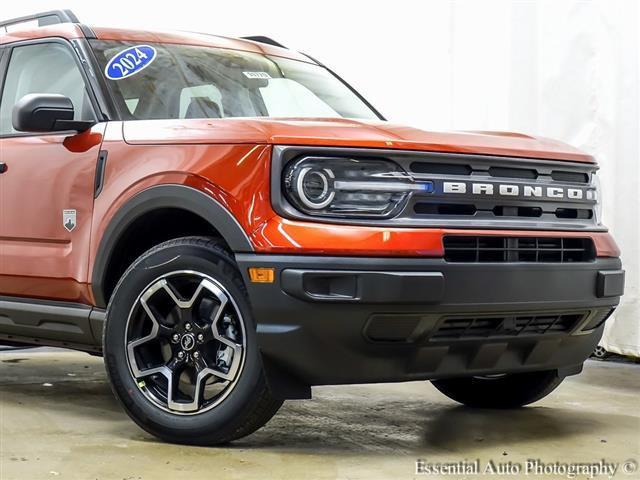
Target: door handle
(3, 167)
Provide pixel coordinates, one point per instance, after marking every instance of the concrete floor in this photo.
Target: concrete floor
(58, 419)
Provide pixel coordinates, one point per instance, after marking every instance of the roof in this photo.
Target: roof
(62, 30)
(72, 31)
(192, 38)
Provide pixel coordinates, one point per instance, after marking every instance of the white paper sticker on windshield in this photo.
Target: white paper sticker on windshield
(258, 75)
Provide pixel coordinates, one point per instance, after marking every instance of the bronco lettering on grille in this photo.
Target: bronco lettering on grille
(509, 190)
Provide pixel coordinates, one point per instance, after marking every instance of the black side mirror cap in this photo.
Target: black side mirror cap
(40, 112)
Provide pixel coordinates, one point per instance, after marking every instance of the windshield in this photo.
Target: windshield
(167, 81)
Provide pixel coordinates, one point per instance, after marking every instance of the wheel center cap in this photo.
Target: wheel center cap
(187, 342)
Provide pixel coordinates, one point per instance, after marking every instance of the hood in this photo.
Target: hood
(344, 133)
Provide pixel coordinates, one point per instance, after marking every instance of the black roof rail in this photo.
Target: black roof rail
(51, 17)
(262, 39)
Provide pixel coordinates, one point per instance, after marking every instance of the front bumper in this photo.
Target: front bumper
(336, 320)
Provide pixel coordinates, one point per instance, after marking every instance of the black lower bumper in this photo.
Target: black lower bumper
(331, 320)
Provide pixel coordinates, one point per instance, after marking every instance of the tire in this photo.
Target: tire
(197, 377)
(600, 353)
(501, 392)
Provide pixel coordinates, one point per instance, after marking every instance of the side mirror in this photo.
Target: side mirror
(40, 112)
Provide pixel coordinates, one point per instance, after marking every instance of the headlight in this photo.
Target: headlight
(347, 187)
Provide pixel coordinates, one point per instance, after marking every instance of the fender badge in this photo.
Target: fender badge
(69, 219)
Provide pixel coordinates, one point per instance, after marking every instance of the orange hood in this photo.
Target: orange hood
(344, 133)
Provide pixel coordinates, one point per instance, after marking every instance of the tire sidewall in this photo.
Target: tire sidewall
(511, 391)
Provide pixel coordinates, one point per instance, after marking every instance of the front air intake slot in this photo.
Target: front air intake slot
(583, 213)
(441, 168)
(571, 177)
(444, 209)
(482, 249)
(507, 326)
(519, 173)
(501, 211)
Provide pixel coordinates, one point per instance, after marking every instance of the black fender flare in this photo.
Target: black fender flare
(158, 197)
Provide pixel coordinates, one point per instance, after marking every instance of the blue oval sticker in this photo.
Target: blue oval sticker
(130, 61)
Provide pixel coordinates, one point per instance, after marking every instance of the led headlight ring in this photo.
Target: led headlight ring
(309, 174)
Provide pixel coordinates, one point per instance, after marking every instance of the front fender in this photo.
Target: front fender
(155, 198)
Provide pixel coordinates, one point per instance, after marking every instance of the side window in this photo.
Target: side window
(43, 68)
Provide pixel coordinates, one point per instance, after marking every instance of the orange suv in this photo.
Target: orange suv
(229, 223)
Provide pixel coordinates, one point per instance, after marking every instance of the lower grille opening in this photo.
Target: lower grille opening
(467, 248)
(506, 326)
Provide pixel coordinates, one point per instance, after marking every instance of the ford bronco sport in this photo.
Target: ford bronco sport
(229, 223)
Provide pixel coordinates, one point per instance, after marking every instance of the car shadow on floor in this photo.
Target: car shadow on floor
(336, 427)
(337, 421)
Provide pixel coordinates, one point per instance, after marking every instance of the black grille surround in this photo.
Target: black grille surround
(475, 249)
(499, 191)
(491, 192)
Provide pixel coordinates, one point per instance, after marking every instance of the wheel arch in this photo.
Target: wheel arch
(192, 209)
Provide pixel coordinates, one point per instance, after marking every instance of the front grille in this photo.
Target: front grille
(507, 326)
(501, 192)
(468, 248)
(465, 191)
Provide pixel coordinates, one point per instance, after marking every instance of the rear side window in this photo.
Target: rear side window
(43, 68)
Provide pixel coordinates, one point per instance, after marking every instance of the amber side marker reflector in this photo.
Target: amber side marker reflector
(262, 275)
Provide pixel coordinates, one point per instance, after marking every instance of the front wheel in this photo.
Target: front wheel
(180, 346)
(500, 391)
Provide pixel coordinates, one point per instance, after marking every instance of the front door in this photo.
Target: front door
(47, 187)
